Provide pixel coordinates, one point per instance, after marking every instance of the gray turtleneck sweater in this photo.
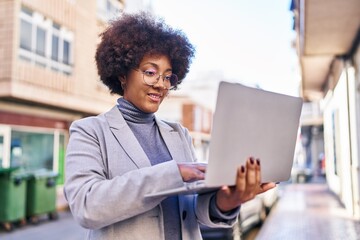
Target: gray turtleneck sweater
(147, 133)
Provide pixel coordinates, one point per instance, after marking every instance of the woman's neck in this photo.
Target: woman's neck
(132, 114)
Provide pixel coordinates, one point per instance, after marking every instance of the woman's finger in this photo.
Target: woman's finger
(201, 167)
(226, 190)
(241, 180)
(250, 174)
(258, 172)
(266, 186)
(190, 173)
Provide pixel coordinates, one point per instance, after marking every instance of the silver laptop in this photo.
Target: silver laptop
(248, 122)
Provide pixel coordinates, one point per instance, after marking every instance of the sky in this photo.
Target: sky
(246, 41)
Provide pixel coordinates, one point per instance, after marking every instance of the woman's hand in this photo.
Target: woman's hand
(248, 185)
(192, 171)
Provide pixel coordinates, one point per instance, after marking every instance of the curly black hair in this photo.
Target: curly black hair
(132, 36)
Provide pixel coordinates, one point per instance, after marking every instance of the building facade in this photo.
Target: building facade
(48, 76)
(328, 45)
(196, 117)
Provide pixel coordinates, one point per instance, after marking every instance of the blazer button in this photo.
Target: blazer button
(184, 215)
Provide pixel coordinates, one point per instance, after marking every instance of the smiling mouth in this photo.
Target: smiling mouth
(154, 97)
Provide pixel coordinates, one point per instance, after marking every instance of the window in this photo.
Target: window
(66, 52)
(335, 136)
(108, 9)
(44, 42)
(31, 150)
(55, 48)
(25, 35)
(40, 41)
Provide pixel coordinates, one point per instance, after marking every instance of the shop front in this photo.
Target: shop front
(33, 142)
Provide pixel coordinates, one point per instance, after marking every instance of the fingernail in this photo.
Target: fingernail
(251, 160)
(258, 161)
(242, 169)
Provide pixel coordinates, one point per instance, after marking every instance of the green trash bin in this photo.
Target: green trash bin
(41, 195)
(13, 184)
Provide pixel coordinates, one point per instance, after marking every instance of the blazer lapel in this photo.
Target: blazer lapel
(132, 147)
(126, 138)
(173, 141)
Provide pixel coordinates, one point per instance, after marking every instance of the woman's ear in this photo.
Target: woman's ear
(122, 80)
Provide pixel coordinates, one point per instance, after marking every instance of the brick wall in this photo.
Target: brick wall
(196, 118)
(7, 19)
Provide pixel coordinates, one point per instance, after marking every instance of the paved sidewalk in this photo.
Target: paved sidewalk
(303, 212)
(306, 212)
(65, 228)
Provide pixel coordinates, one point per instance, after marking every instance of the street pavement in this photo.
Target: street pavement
(303, 212)
(306, 212)
(64, 228)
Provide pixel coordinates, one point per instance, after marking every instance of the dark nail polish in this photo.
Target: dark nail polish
(242, 169)
(251, 160)
(258, 161)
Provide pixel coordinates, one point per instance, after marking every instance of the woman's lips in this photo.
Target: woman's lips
(155, 97)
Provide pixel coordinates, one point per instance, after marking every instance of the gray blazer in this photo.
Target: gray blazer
(108, 173)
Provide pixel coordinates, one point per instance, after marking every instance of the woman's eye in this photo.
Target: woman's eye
(168, 77)
(149, 73)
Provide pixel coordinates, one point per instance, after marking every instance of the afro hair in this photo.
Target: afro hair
(132, 36)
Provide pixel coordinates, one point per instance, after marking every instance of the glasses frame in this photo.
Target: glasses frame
(158, 79)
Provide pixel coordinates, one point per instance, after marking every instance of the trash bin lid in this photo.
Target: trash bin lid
(20, 173)
(43, 173)
(8, 170)
(13, 172)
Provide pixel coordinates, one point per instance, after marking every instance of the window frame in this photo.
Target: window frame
(37, 20)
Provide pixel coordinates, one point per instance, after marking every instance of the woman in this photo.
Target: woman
(113, 160)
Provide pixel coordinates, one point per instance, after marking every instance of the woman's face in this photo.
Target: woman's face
(147, 98)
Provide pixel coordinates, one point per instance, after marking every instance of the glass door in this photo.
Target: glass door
(4, 146)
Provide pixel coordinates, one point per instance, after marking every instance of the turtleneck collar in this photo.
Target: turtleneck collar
(133, 114)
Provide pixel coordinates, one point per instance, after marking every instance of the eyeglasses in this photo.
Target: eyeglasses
(151, 78)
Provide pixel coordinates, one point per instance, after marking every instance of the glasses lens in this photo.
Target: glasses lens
(151, 78)
(173, 80)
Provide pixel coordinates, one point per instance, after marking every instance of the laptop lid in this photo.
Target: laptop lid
(252, 122)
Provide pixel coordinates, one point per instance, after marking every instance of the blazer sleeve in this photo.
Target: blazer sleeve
(97, 201)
